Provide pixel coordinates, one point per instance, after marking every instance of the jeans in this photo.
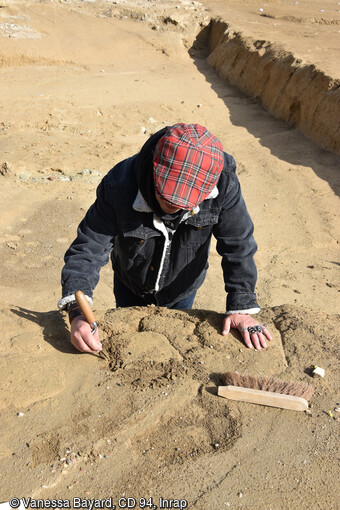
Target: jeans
(124, 297)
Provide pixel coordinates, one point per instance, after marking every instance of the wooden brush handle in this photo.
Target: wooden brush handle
(265, 398)
(85, 307)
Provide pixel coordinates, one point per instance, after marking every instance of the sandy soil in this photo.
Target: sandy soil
(83, 85)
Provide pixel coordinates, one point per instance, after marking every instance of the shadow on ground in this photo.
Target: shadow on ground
(55, 330)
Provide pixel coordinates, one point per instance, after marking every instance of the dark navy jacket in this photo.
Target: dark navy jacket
(113, 227)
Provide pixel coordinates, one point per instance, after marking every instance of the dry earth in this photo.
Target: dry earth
(83, 85)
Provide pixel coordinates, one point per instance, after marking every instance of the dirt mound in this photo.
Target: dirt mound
(184, 343)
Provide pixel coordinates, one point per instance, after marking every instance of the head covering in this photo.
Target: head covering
(187, 164)
(146, 184)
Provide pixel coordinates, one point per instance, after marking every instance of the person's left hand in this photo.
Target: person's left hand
(242, 321)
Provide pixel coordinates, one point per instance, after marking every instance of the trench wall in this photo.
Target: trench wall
(288, 88)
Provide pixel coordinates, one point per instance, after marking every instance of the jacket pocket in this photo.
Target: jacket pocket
(197, 230)
(135, 245)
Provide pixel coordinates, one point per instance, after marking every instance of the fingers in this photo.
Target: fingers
(266, 332)
(82, 337)
(226, 326)
(80, 344)
(262, 340)
(86, 343)
(253, 334)
(246, 338)
(256, 340)
(259, 341)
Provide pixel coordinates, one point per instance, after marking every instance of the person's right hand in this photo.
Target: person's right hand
(81, 336)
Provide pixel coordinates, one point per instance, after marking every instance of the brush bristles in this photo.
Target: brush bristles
(299, 389)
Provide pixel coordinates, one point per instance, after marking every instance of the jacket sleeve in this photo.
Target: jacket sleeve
(91, 248)
(237, 246)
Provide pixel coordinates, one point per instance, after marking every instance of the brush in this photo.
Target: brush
(265, 391)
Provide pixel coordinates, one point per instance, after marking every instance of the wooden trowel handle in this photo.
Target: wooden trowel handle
(85, 307)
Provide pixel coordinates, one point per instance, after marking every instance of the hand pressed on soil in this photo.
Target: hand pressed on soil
(239, 321)
(82, 338)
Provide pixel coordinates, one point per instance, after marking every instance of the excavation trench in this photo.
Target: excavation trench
(290, 89)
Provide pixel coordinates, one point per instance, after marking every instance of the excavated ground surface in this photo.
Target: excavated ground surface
(83, 86)
(146, 420)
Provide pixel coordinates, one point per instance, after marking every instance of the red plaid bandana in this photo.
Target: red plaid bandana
(187, 164)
